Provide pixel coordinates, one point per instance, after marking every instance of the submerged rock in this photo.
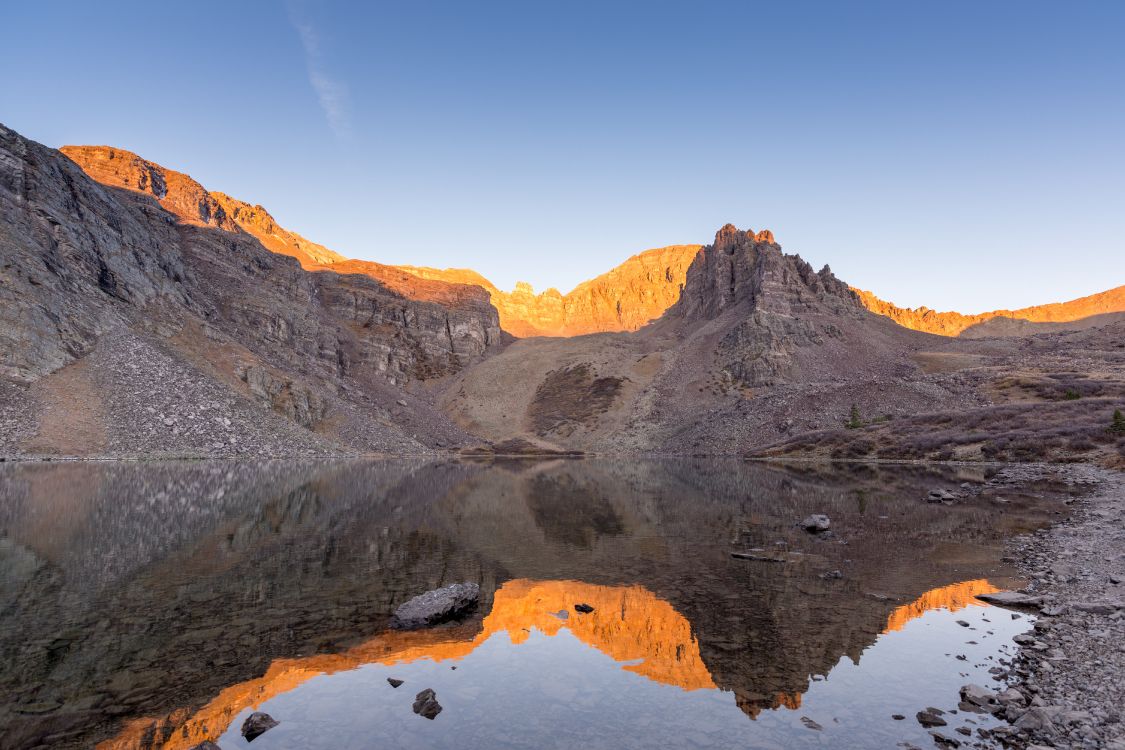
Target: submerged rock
(426, 705)
(257, 724)
(206, 745)
(436, 606)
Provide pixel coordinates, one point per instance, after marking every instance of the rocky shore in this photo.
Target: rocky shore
(1066, 686)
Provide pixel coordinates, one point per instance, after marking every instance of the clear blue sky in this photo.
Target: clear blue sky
(960, 155)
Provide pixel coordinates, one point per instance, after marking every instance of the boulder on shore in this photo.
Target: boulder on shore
(436, 606)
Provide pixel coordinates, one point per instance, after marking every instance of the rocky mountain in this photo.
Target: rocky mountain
(626, 298)
(120, 277)
(1095, 309)
(145, 315)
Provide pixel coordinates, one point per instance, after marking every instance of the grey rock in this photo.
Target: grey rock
(931, 717)
(817, 523)
(811, 724)
(426, 705)
(206, 745)
(943, 741)
(1012, 599)
(977, 695)
(436, 606)
(394, 682)
(257, 724)
(1037, 719)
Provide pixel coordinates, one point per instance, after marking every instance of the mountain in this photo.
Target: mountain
(626, 298)
(1073, 315)
(143, 313)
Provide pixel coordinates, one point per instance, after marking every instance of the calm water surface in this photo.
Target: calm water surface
(158, 605)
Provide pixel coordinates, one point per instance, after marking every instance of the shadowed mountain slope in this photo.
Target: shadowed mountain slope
(159, 302)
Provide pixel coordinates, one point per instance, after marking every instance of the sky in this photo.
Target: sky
(966, 156)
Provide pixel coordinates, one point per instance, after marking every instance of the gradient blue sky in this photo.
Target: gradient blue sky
(959, 155)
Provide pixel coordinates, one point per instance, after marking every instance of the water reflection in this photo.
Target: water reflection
(149, 606)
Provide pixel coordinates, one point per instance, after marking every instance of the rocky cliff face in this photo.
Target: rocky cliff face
(105, 241)
(626, 298)
(776, 304)
(1096, 309)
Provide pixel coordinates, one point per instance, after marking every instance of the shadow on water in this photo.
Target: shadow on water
(155, 605)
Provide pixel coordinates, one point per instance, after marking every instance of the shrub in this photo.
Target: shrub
(854, 419)
(1117, 426)
(1071, 395)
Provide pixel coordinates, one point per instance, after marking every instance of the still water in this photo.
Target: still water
(158, 605)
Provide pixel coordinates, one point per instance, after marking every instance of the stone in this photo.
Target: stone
(1012, 599)
(394, 682)
(257, 724)
(977, 695)
(832, 575)
(817, 523)
(940, 496)
(583, 608)
(206, 745)
(931, 717)
(426, 705)
(811, 724)
(436, 606)
(943, 741)
(1010, 696)
(1036, 719)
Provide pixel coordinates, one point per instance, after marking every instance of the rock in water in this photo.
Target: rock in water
(817, 523)
(1012, 599)
(811, 724)
(257, 724)
(977, 696)
(394, 683)
(425, 704)
(206, 745)
(436, 606)
(931, 717)
(583, 608)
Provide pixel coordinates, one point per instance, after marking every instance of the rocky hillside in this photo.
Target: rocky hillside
(626, 298)
(141, 314)
(1096, 309)
(119, 277)
(758, 345)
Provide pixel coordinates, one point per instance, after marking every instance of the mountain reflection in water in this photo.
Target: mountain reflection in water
(156, 605)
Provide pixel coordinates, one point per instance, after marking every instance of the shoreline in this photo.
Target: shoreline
(1065, 688)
